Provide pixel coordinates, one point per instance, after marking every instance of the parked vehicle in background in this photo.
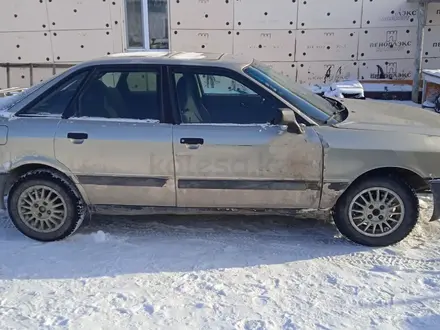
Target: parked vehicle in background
(187, 133)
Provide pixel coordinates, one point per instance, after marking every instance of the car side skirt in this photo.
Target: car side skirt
(135, 210)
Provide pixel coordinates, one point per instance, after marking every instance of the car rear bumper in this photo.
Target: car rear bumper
(435, 189)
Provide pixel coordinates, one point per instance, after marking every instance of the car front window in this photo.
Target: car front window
(311, 104)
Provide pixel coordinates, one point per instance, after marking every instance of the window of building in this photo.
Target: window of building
(147, 24)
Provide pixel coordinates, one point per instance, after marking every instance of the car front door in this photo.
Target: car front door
(228, 154)
(113, 135)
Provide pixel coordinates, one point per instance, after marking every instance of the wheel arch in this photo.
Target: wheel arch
(26, 167)
(412, 178)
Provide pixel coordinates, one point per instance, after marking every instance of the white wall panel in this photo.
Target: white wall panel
(433, 16)
(3, 78)
(214, 41)
(319, 45)
(25, 47)
(334, 14)
(431, 46)
(41, 74)
(60, 70)
(20, 77)
(76, 46)
(396, 69)
(431, 63)
(263, 14)
(79, 15)
(23, 15)
(266, 45)
(330, 34)
(389, 13)
(383, 43)
(286, 68)
(326, 72)
(118, 28)
(199, 15)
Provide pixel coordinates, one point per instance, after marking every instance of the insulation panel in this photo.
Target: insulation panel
(396, 69)
(266, 45)
(387, 43)
(25, 47)
(214, 41)
(389, 13)
(326, 72)
(263, 14)
(76, 46)
(201, 14)
(323, 45)
(319, 14)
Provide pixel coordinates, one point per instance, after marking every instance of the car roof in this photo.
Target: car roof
(225, 60)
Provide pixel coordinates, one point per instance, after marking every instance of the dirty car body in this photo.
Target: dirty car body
(182, 132)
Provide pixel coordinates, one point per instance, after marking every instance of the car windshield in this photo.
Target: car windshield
(311, 104)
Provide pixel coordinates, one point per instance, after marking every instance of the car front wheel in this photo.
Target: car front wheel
(44, 208)
(377, 211)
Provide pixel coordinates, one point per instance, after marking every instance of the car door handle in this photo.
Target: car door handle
(77, 138)
(192, 141)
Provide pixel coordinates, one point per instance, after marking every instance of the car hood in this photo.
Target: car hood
(379, 115)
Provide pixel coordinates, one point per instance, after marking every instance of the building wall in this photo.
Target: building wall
(313, 41)
(56, 31)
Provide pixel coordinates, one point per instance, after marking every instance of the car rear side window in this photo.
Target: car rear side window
(56, 102)
(136, 81)
(122, 94)
(142, 82)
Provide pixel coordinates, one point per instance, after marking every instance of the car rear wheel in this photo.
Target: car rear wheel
(44, 209)
(377, 211)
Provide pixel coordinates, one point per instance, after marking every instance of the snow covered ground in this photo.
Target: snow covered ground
(217, 272)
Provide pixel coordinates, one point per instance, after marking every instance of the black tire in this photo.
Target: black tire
(75, 210)
(395, 184)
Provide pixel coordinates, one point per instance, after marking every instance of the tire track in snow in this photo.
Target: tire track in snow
(386, 263)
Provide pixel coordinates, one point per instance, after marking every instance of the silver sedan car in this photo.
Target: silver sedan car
(143, 133)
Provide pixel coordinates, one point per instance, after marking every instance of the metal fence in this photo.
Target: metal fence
(31, 66)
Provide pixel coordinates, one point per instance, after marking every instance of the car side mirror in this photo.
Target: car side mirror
(288, 117)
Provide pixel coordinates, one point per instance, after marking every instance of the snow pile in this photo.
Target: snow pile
(432, 72)
(189, 56)
(140, 54)
(386, 87)
(341, 89)
(349, 87)
(164, 272)
(100, 236)
(334, 93)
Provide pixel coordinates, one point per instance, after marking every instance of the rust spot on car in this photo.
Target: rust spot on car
(337, 186)
(331, 191)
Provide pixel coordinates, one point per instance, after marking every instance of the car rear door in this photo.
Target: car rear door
(30, 135)
(114, 135)
(226, 153)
